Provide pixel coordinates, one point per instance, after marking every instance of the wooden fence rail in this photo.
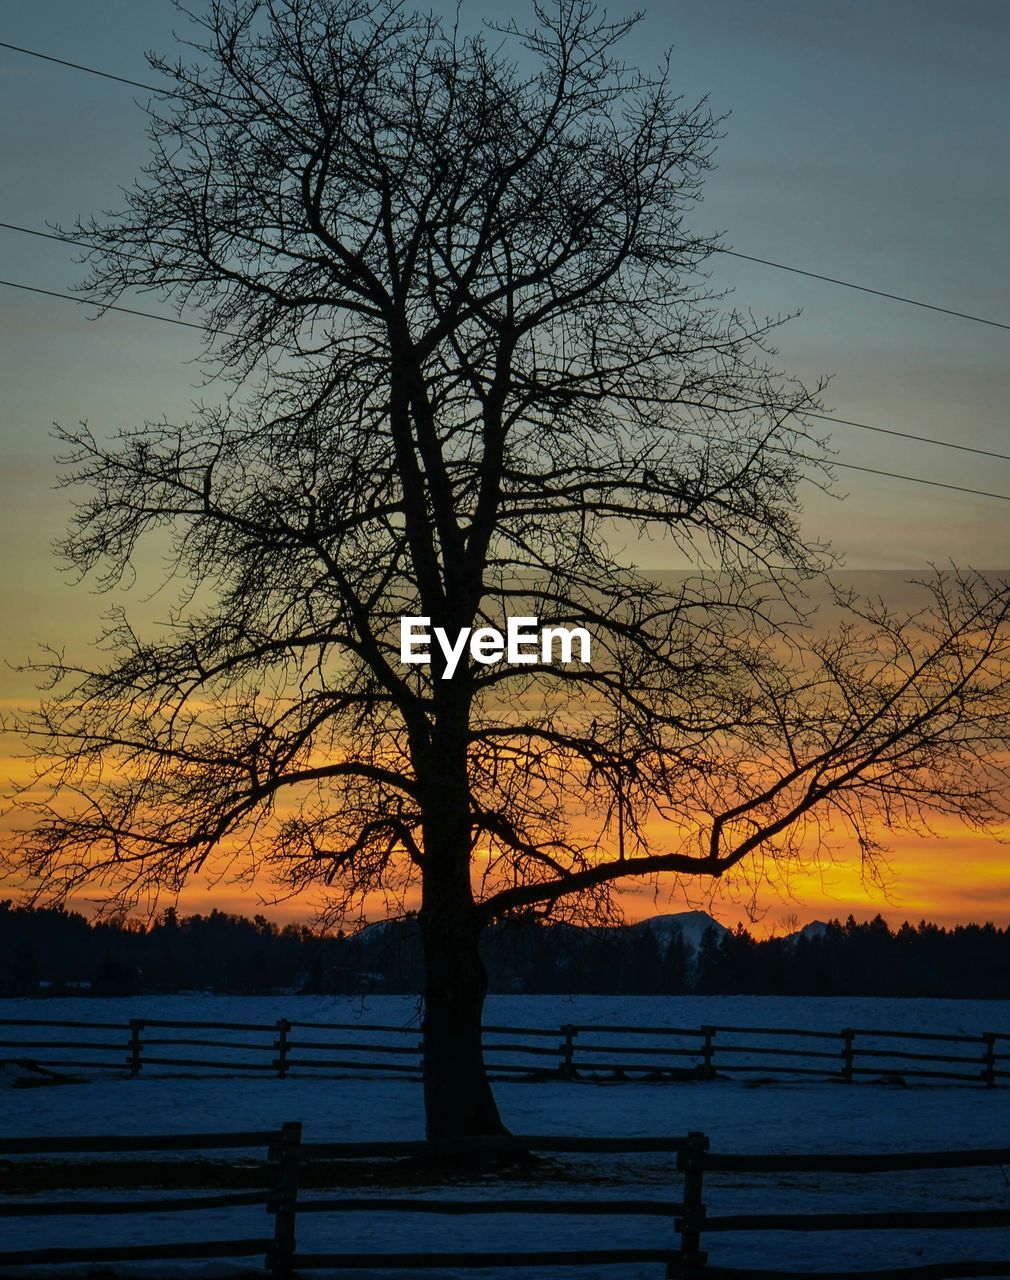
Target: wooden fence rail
(288, 1159)
(289, 1046)
(699, 1223)
(277, 1144)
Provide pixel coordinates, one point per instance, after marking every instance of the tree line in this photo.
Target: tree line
(57, 951)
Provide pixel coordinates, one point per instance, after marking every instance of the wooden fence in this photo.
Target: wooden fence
(287, 1160)
(277, 1196)
(283, 1172)
(691, 1262)
(289, 1046)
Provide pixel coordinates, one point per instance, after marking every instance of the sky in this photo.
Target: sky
(864, 139)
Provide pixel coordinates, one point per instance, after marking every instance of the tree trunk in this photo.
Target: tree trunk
(458, 1100)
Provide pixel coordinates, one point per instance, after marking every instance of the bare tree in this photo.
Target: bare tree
(474, 359)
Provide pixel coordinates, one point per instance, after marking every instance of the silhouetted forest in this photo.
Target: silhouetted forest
(49, 951)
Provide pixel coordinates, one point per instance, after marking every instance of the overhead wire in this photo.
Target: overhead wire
(895, 475)
(743, 404)
(831, 462)
(79, 66)
(864, 288)
(111, 306)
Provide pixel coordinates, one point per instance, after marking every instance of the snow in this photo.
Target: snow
(967, 1017)
(781, 1116)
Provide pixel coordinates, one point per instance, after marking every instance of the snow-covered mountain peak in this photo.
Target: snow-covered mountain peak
(690, 925)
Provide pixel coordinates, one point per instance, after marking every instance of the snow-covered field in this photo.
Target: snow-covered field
(737, 1116)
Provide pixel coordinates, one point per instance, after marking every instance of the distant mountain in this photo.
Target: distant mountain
(378, 942)
(815, 929)
(379, 930)
(690, 925)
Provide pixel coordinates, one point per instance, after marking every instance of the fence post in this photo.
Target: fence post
(708, 1054)
(989, 1059)
(691, 1162)
(848, 1056)
(136, 1026)
(568, 1052)
(281, 1045)
(283, 1202)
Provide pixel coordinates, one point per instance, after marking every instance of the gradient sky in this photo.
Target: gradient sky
(866, 139)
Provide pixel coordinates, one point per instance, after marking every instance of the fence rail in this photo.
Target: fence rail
(286, 1158)
(697, 1222)
(569, 1052)
(287, 1161)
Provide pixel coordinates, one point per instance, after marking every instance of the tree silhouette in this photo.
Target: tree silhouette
(455, 283)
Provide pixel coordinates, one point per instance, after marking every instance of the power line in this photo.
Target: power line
(908, 435)
(110, 306)
(45, 235)
(833, 462)
(851, 422)
(733, 253)
(79, 66)
(809, 413)
(873, 471)
(865, 288)
(893, 475)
